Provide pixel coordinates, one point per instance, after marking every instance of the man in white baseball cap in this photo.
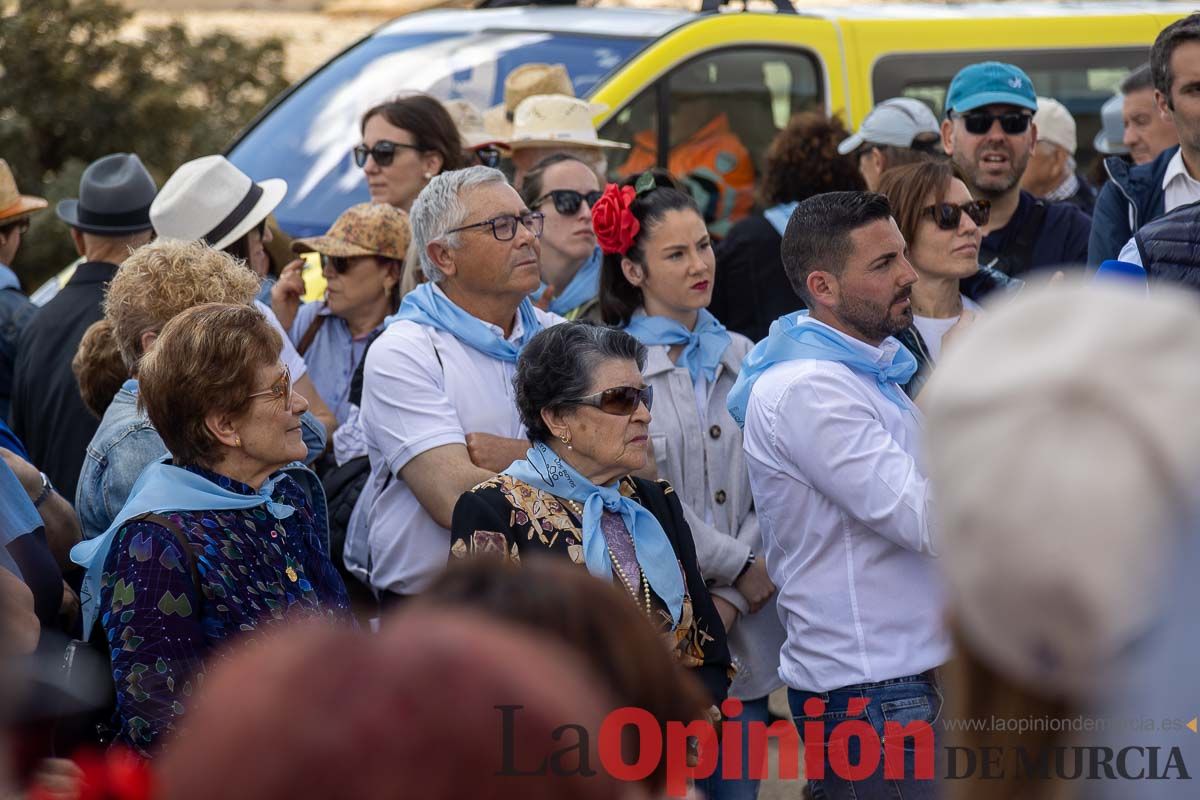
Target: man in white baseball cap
(897, 131)
(1051, 172)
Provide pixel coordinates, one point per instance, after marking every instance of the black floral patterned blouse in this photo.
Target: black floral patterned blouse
(506, 516)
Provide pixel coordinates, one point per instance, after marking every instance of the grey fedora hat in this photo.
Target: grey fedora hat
(115, 193)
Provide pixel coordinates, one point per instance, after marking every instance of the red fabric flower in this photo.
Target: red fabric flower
(614, 224)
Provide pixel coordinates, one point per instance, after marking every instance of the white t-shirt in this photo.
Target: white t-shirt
(290, 357)
(932, 329)
(422, 389)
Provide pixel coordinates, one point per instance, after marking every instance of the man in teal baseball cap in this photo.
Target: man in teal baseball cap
(989, 133)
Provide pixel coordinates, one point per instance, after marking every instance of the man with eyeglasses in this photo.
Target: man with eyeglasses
(563, 188)
(438, 412)
(15, 308)
(990, 135)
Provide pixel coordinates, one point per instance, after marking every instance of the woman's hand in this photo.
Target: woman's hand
(58, 778)
(755, 586)
(288, 292)
(727, 611)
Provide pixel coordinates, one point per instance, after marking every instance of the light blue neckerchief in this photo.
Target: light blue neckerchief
(131, 386)
(160, 489)
(790, 340)
(779, 215)
(18, 516)
(582, 289)
(429, 307)
(543, 469)
(705, 343)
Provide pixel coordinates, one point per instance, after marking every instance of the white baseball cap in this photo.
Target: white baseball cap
(1055, 124)
(894, 122)
(1063, 445)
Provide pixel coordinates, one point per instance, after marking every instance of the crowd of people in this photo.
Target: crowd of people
(897, 426)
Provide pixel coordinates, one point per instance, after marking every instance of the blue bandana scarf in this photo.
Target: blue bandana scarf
(543, 469)
(428, 307)
(779, 215)
(161, 489)
(705, 343)
(582, 289)
(789, 341)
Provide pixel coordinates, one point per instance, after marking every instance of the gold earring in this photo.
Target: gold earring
(566, 440)
(237, 441)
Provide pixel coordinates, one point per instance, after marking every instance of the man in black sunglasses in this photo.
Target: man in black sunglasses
(990, 135)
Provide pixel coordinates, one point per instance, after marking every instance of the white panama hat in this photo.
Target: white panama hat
(548, 120)
(210, 200)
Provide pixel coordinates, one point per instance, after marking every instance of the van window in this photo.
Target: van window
(1080, 80)
(756, 90)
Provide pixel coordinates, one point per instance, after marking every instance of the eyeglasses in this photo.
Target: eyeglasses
(488, 156)
(281, 389)
(620, 401)
(338, 264)
(568, 201)
(1012, 122)
(947, 215)
(383, 152)
(504, 227)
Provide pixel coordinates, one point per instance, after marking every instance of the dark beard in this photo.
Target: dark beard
(873, 322)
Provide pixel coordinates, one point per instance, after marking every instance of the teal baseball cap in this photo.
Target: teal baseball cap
(990, 82)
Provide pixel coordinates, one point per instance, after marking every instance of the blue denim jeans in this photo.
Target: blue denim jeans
(744, 788)
(903, 701)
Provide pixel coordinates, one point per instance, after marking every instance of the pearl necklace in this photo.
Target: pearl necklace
(645, 584)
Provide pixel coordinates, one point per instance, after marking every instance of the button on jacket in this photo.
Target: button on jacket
(703, 460)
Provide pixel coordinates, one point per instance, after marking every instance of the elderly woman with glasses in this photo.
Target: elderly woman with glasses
(943, 226)
(586, 410)
(217, 542)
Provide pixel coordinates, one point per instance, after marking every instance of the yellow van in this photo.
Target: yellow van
(759, 68)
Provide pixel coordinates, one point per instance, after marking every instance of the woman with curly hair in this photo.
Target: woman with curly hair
(751, 289)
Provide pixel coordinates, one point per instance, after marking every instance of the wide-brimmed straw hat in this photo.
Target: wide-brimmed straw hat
(210, 200)
(13, 204)
(469, 121)
(115, 193)
(525, 81)
(548, 120)
(367, 229)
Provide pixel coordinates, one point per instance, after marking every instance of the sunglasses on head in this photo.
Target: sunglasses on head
(620, 401)
(1011, 122)
(488, 156)
(384, 152)
(568, 201)
(947, 215)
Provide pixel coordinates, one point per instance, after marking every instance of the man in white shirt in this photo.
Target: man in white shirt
(833, 448)
(438, 413)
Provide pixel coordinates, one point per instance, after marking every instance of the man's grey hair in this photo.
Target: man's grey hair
(439, 208)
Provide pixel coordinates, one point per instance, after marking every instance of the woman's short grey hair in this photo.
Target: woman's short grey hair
(557, 365)
(439, 208)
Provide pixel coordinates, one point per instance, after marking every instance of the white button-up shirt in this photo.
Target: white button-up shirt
(422, 388)
(845, 513)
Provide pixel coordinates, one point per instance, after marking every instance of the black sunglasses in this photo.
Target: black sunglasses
(384, 152)
(947, 215)
(620, 401)
(488, 156)
(339, 264)
(1012, 122)
(21, 226)
(568, 201)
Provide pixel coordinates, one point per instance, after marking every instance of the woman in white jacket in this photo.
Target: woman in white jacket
(656, 282)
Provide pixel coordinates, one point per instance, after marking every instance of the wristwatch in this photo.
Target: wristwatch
(47, 488)
(749, 560)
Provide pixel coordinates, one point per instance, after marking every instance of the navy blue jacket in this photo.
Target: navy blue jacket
(1170, 247)
(1138, 189)
(1061, 240)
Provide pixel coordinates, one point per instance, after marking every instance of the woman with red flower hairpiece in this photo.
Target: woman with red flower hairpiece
(656, 283)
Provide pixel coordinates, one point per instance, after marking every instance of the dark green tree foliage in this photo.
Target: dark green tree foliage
(76, 85)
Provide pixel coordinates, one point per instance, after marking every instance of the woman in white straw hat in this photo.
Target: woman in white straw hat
(210, 200)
